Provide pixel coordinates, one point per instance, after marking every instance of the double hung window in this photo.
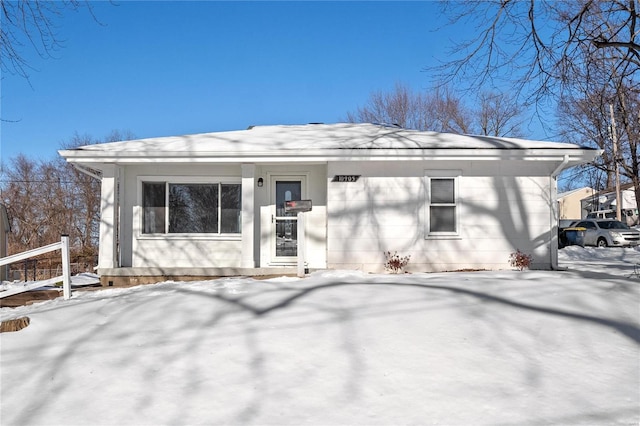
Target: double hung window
(191, 208)
(442, 206)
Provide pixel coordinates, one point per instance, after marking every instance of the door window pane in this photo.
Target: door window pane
(287, 191)
(286, 237)
(286, 223)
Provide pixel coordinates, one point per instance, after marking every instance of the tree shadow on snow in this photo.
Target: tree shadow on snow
(631, 331)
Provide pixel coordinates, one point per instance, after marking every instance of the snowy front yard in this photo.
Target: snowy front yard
(337, 348)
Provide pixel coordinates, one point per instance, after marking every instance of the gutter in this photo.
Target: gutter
(561, 166)
(323, 156)
(554, 212)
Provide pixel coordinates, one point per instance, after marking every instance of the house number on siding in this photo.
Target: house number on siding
(345, 178)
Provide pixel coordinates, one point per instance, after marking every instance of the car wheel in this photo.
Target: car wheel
(602, 242)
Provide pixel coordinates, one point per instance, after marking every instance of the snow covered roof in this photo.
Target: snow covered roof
(313, 141)
(575, 191)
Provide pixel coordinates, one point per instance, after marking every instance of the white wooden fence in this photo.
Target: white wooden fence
(63, 246)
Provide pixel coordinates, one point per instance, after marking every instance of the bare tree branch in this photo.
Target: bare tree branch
(441, 110)
(32, 24)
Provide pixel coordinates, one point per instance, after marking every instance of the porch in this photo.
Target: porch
(126, 277)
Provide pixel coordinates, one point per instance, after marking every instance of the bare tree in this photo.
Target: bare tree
(83, 195)
(584, 122)
(585, 117)
(441, 110)
(449, 111)
(499, 115)
(538, 46)
(587, 121)
(31, 24)
(402, 107)
(45, 199)
(628, 135)
(582, 54)
(22, 194)
(82, 199)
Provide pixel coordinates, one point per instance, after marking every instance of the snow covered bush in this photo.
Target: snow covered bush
(395, 263)
(520, 260)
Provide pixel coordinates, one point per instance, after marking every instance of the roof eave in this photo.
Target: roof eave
(583, 155)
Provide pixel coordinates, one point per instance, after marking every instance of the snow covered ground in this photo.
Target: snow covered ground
(338, 348)
(80, 280)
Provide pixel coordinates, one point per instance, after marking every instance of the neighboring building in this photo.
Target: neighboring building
(212, 204)
(5, 228)
(603, 204)
(569, 203)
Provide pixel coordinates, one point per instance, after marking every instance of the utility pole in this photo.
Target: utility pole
(614, 138)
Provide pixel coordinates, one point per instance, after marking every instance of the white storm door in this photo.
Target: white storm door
(284, 234)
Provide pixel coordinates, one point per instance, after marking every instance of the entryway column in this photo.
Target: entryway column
(248, 206)
(108, 218)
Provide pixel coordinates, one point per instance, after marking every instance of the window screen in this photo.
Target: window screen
(442, 206)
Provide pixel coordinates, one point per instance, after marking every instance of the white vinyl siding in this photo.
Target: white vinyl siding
(387, 209)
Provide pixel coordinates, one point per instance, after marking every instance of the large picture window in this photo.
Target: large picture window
(191, 208)
(442, 214)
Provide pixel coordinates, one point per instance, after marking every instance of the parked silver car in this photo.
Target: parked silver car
(608, 233)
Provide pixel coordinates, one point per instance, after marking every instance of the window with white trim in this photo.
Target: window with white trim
(442, 206)
(191, 208)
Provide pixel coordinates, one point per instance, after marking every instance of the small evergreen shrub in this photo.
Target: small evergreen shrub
(520, 260)
(395, 263)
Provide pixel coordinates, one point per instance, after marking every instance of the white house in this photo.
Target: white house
(212, 204)
(603, 204)
(569, 203)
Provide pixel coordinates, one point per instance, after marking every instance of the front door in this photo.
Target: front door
(284, 245)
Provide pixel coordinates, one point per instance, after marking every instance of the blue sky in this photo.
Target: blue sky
(171, 68)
